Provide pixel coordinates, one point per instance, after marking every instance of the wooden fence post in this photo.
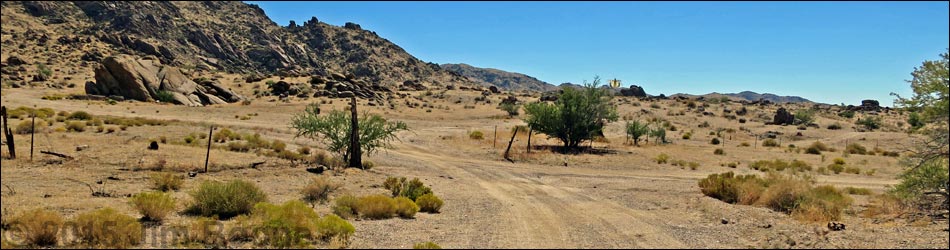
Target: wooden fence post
(8, 133)
(208, 154)
(509, 143)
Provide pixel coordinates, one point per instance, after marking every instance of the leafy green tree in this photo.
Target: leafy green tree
(658, 132)
(927, 166)
(334, 129)
(577, 115)
(637, 129)
(804, 116)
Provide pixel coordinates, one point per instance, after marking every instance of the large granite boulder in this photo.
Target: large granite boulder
(783, 117)
(147, 79)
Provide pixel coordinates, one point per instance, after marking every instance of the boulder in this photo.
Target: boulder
(783, 117)
(16, 61)
(144, 79)
(494, 89)
(634, 90)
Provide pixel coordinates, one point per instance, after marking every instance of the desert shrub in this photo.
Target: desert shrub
(884, 204)
(106, 228)
(426, 245)
(282, 226)
(744, 144)
(27, 127)
(318, 190)
(368, 165)
(232, 146)
(838, 161)
(405, 207)
(767, 165)
(79, 115)
(225, 200)
(476, 135)
(852, 170)
(822, 203)
(915, 120)
(429, 203)
(345, 206)
(38, 227)
(510, 108)
(816, 148)
(687, 135)
(662, 158)
(804, 116)
(783, 193)
(929, 176)
(166, 181)
(154, 206)
(857, 191)
(164, 96)
(714, 141)
(411, 189)
(637, 129)
(376, 207)
(223, 135)
(870, 123)
(719, 151)
(800, 166)
(278, 146)
(202, 230)
(332, 226)
(834, 126)
(846, 114)
(242, 229)
(305, 150)
(76, 126)
(855, 148)
(725, 186)
(836, 168)
(770, 143)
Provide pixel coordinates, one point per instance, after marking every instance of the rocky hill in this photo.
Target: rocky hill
(230, 37)
(499, 78)
(751, 96)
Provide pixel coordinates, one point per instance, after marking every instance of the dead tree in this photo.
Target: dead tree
(8, 133)
(355, 154)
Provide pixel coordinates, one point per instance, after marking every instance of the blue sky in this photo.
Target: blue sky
(831, 52)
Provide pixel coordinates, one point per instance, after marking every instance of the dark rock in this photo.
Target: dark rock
(634, 90)
(836, 226)
(783, 117)
(16, 61)
(153, 145)
(742, 111)
(494, 89)
(510, 100)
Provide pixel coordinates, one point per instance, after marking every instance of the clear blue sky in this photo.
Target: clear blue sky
(829, 52)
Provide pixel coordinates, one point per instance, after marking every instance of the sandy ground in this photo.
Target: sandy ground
(622, 199)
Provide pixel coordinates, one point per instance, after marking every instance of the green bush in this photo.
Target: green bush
(154, 206)
(164, 96)
(405, 207)
(166, 181)
(510, 108)
(345, 206)
(376, 207)
(429, 203)
(929, 176)
(282, 226)
(822, 203)
(79, 115)
(426, 245)
(576, 116)
(870, 123)
(38, 227)
(637, 129)
(225, 200)
(846, 114)
(662, 158)
(411, 189)
(476, 135)
(334, 129)
(331, 226)
(106, 228)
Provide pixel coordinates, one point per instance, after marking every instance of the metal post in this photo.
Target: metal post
(208, 154)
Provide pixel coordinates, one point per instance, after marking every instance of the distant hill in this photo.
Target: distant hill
(499, 78)
(751, 96)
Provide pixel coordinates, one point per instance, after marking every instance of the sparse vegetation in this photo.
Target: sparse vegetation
(38, 227)
(225, 200)
(106, 228)
(662, 158)
(792, 195)
(636, 129)
(870, 123)
(770, 143)
(166, 181)
(154, 206)
(318, 190)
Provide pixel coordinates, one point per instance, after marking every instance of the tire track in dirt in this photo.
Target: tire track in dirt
(545, 216)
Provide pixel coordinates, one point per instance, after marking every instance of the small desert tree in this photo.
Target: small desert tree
(637, 129)
(511, 108)
(804, 116)
(334, 129)
(577, 115)
(927, 167)
(658, 132)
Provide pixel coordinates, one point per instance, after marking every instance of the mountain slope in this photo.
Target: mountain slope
(499, 78)
(226, 36)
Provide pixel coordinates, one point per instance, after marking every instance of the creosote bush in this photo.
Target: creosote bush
(318, 190)
(106, 228)
(282, 226)
(166, 181)
(38, 227)
(225, 200)
(376, 207)
(405, 207)
(429, 203)
(154, 206)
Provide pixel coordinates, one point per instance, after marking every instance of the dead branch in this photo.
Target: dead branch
(57, 154)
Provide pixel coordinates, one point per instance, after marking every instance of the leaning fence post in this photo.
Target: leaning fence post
(8, 133)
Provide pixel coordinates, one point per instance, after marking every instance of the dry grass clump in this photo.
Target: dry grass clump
(719, 151)
(166, 181)
(770, 143)
(780, 165)
(662, 158)
(106, 228)
(885, 205)
(476, 135)
(225, 200)
(76, 126)
(792, 195)
(426, 245)
(429, 203)
(857, 191)
(318, 190)
(376, 207)
(154, 206)
(855, 148)
(405, 207)
(817, 147)
(27, 127)
(203, 231)
(39, 227)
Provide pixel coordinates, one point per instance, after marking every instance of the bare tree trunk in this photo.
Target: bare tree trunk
(355, 155)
